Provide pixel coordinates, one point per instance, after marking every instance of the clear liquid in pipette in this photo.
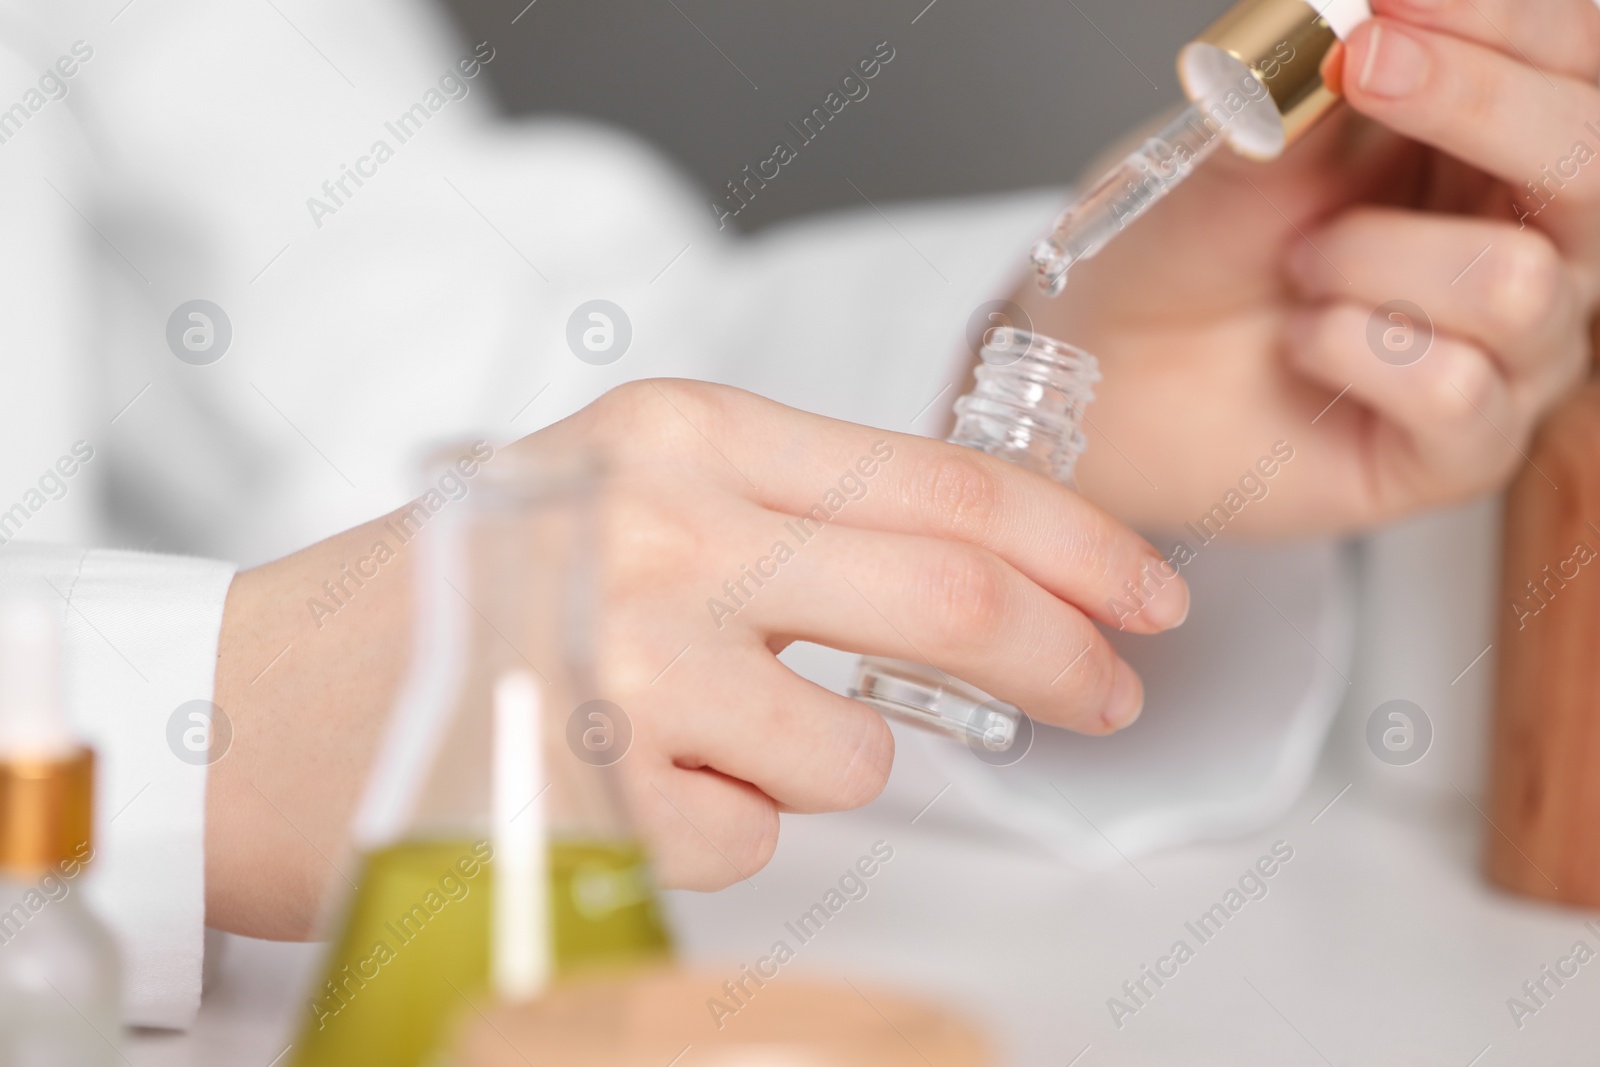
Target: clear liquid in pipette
(1126, 192)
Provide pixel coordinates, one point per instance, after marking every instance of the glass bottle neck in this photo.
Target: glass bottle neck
(1028, 403)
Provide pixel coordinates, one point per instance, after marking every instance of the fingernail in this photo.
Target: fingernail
(1169, 605)
(1332, 68)
(1396, 65)
(1127, 698)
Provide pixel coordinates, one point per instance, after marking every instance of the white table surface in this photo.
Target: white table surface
(1377, 944)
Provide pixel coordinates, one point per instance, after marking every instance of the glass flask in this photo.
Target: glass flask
(1025, 409)
(497, 851)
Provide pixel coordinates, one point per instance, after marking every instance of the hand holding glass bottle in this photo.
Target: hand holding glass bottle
(731, 527)
(738, 526)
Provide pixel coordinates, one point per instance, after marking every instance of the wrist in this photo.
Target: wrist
(308, 660)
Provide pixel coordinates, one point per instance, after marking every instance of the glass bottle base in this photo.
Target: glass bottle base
(923, 696)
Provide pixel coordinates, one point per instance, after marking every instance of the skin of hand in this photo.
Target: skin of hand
(1238, 310)
(928, 551)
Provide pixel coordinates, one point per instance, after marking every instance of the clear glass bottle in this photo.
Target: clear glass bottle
(1025, 409)
(60, 973)
(497, 851)
(58, 976)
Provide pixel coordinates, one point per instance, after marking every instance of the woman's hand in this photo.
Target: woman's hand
(890, 545)
(738, 526)
(1251, 307)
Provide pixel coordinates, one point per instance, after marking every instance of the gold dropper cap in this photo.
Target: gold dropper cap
(1281, 44)
(46, 810)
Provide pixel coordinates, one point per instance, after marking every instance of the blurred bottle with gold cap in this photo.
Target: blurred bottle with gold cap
(497, 850)
(59, 969)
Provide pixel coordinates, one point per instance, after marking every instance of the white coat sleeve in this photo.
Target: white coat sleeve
(141, 630)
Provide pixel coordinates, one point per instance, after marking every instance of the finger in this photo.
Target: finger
(1451, 403)
(1484, 107)
(807, 748)
(1149, 599)
(1555, 35)
(706, 831)
(967, 612)
(824, 472)
(1507, 289)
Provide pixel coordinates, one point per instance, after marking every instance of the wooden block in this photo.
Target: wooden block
(669, 1016)
(1544, 797)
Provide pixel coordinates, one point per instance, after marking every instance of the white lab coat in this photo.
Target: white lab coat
(431, 303)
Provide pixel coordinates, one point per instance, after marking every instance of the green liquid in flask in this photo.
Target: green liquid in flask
(415, 945)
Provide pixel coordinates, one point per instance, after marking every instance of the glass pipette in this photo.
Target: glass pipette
(1130, 189)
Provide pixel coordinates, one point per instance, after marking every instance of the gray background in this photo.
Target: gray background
(981, 95)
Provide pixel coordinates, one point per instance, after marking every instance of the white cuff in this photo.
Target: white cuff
(141, 639)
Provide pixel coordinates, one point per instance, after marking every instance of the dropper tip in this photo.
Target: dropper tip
(1051, 261)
